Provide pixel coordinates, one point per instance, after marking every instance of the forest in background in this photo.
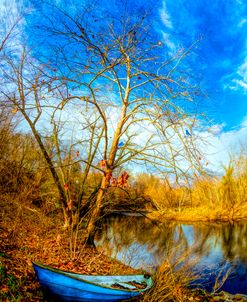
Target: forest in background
(203, 198)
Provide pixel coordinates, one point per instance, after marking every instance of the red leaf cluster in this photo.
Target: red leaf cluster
(121, 181)
(103, 163)
(108, 176)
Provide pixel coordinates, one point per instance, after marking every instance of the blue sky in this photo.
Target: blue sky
(221, 55)
(219, 61)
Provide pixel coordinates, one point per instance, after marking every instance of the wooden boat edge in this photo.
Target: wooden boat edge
(73, 276)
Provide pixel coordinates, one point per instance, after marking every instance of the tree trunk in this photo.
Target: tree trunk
(91, 228)
(95, 215)
(62, 193)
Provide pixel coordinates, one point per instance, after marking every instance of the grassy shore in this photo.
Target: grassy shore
(201, 214)
(27, 235)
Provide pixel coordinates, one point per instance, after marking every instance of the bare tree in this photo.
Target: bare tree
(29, 90)
(118, 70)
(131, 92)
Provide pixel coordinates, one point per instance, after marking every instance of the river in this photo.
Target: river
(214, 251)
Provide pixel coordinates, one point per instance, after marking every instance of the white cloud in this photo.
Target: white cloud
(215, 144)
(9, 13)
(221, 145)
(168, 42)
(240, 77)
(12, 20)
(242, 71)
(239, 83)
(165, 17)
(244, 123)
(216, 129)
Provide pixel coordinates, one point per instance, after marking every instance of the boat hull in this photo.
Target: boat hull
(65, 286)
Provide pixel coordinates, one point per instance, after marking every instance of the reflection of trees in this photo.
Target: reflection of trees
(202, 239)
(231, 238)
(234, 241)
(119, 233)
(231, 241)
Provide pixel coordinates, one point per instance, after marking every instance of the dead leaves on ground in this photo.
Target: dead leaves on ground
(31, 237)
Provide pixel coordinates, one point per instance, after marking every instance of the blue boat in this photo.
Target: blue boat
(60, 285)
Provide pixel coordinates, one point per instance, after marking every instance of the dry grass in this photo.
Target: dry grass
(206, 199)
(171, 282)
(201, 213)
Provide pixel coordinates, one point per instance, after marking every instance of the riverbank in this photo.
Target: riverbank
(201, 214)
(28, 235)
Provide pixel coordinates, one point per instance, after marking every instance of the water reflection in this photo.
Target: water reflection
(219, 248)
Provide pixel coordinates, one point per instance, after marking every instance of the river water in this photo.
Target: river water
(214, 251)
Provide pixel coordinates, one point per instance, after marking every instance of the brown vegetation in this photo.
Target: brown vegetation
(207, 198)
(32, 220)
(27, 235)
